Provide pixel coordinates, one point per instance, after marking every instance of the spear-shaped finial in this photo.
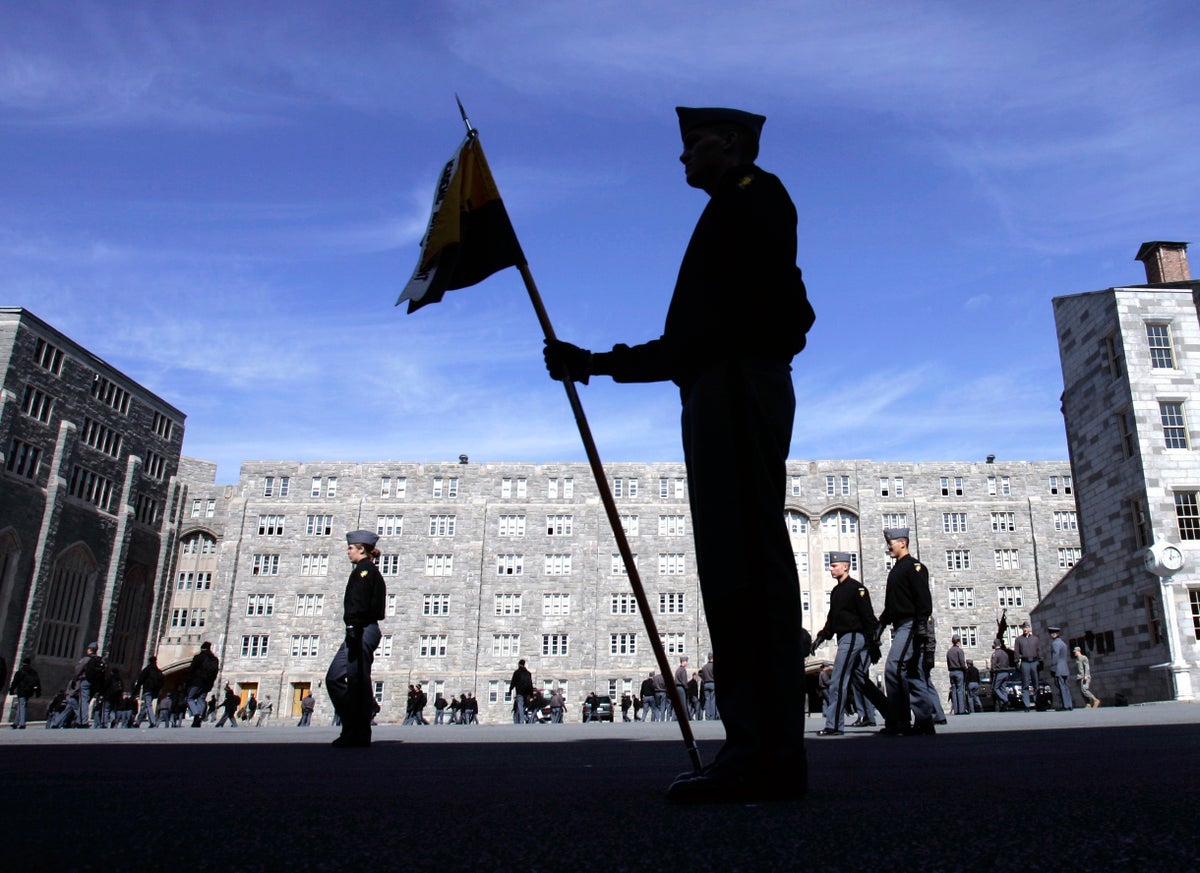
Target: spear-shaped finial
(463, 112)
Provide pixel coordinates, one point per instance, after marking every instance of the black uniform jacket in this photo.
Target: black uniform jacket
(739, 293)
(908, 595)
(849, 609)
(365, 595)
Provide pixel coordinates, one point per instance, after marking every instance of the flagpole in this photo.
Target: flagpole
(614, 520)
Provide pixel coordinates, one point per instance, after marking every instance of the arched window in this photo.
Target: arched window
(839, 522)
(132, 619)
(71, 580)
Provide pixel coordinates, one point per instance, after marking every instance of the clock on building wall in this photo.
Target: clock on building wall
(1163, 559)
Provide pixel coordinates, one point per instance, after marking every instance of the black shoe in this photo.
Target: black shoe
(827, 732)
(861, 723)
(349, 741)
(893, 731)
(921, 729)
(708, 789)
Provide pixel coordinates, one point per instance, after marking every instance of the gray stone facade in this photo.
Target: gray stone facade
(1130, 359)
(87, 488)
(529, 568)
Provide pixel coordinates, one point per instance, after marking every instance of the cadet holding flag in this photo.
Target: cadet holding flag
(738, 315)
(349, 677)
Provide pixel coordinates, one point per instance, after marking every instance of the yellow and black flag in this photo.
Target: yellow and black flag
(469, 235)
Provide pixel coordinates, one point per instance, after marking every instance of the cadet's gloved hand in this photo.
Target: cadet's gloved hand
(563, 358)
(817, 643)
(927, 661)
(873, 651)
(878, 634)
(353, 642)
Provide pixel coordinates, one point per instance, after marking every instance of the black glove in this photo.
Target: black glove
(563, 358)
(821, 638)
(873, 650)
(879, 628)
(353, 642)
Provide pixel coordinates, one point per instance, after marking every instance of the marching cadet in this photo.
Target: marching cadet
(908, 607)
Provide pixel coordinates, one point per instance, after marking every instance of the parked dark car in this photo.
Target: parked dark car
(598, 708)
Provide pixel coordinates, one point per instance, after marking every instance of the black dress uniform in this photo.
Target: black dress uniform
(348, 680)
(908, 606)
(738, 315)
(852, 620)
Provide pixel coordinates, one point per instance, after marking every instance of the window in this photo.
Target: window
(510, 565)
(839, 521)
(110, 395)
(1066, 520)
(401, 486)
(1068, 557)
(1002, 485)
(622, 644)
(673, 643)
(885, 486)
(156, 466)
(952, 485)
(830, 488)
(269, 486)
(671, 526)
(629, 524)
(969, 635)
(624, 603)
(265, 565)
(797, 487)
(1128, 429)
(314, 565)
(559, 525)
(310, 604)
(618, 565)
(101, 438)
(1174, 425)
(145, 509)
(319, 525)
(1158, 337)
(23, 459)
(389, 605)
(673, 564)
(443, 486)
(958, 559)
(1008, 559)
(554, 644)
(1141, 520)
(210, 508)
(331, 483)
(441, 525)
(439, 565)
(270, 525)
(48, 357)
(431, 646)
(508, 604)
(92, 487)
(556, 604)
(162, 425)
(558, 565)
(389, 525)
(515, 487)
(384, 650)
(435, 604)
(568, 484)
(797, 522)
(37, 404)
(512, 525)
(1010, 595)
(260, 604)
(1194, 597)
(1054, 484)
(954, 522)
(845, 482)
(671, 603)
(255, 645)
(899, 483)
(893, 520)
(305, 645)
(1004, 522)
(389, 565)
(552, 487)
(385, 487)
(1115, 356)
(801, 559)
(961, 598)
(1187, 514)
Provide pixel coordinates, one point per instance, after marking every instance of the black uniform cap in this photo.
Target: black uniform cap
(690, 118)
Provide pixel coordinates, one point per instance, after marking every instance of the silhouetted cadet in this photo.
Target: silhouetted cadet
(348, 679)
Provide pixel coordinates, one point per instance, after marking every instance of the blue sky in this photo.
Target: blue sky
(225, 199)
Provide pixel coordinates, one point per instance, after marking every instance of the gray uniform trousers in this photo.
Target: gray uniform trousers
(1029, 682)
(908, 686)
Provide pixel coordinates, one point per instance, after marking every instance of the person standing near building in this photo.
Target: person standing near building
(708, 688)
(202, 675)
(264, 711)
(1083, 674)
(1060, 669)
(520, 686)
(956, 666)
(681, 681)
(974, 703)
(852, 620)
(738, 315)
(149, 683)
(908, 607)
(660, 696)
(348, 679)
(25, 684)
(1027, 649)
(647, 697)
(308, 703)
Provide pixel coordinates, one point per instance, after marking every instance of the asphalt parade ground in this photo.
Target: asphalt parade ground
(1106, 789)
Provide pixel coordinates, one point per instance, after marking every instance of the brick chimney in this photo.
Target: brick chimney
(1165, 262)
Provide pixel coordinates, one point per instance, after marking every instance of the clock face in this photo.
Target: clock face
(1172, 558)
